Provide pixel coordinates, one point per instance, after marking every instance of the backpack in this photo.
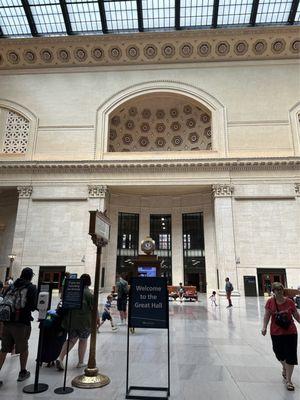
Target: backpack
(13, 302)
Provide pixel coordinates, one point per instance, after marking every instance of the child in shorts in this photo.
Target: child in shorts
(106, 315)
(213, 299)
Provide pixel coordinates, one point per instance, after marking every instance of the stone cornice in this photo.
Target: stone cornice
(222, 164)
(266, 43)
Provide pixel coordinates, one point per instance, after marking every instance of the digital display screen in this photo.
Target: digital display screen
(149, 272)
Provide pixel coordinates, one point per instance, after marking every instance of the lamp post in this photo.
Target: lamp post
(99, 231)
(11, 258)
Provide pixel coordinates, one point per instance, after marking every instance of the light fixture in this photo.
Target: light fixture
(11, 257)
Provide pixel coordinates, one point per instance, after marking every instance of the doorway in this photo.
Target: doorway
(267, 276)
(53, 275)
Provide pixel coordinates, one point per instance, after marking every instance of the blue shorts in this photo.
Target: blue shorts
(105, 316)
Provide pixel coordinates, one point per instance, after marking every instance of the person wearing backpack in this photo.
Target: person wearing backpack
(123, 290)
(15, 312)
(228, 290)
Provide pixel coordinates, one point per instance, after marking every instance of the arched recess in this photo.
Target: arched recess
(294, 116)
(22, 111)
(217, 110)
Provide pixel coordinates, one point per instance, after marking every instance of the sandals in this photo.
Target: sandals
(290, 386)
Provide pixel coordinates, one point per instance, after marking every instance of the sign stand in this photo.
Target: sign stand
(148, 308)
(38, 387)
(66, 389)
(99, 230)
(72, 300)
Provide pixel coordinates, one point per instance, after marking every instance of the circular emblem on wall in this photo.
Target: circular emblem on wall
(160, 142)
(132, 52)
(260, 46)
(241, 48)
(278, 46)
(160, 114)
(129, 124)
(177, 140)
(187, 109)
(160, 127)
(204, 49)
(222, 48)
(46, 55)
(146, 113)
(13, 57)
(115, 53)
(143, 141)
(193, 137)
(29, 56)
(63, 55)
(97, 53)
(186, 50)
(150, 51)
(80, 54)
(174, 112)
(132, 111)
(127, 139)
(190, 123)
(295, 46)
(145, 127)
(168, 50)
(115, 120)
(207, 132)
(205, 118)
(175, 126)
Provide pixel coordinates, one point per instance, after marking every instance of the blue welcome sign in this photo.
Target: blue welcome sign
(148, 303)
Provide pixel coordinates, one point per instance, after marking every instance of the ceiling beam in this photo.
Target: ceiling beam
(254, 12)
(177, 14)
(214, 22)
(30, 18)
(66, 16)
(293, 12)
(140, 15)
(103, 16)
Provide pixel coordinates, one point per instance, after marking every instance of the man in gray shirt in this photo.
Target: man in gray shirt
(228, 290)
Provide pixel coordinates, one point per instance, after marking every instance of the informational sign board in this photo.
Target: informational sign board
(148, 303)
(73, 294)
(73, 276)
(99, 225)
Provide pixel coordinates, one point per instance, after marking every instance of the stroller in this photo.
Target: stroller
(54, 337)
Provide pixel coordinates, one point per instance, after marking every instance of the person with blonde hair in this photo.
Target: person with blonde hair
(282, 312)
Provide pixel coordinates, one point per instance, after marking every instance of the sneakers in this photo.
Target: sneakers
(59, 365)
(81, 365)
(121, 323)
(229, 306)
(23, 375)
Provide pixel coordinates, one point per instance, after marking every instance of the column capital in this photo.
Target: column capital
(297, 189)
(97, 191)
(222, 190)
(24, 191)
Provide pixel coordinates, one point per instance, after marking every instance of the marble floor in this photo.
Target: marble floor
(216, 354)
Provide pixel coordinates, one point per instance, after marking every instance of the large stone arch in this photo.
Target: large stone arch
(294, 116)
(164, 88)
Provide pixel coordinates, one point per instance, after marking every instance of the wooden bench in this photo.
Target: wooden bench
(190, 292)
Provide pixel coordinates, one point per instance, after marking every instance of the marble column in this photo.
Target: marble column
(225, 241)
(177, 247)
(97, 200)
(24, 201)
